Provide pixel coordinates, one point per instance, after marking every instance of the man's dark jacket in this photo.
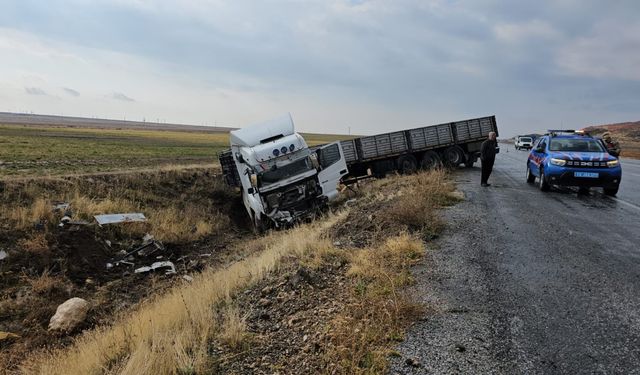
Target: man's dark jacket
(488, 150)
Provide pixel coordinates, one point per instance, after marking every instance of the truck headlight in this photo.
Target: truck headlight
(612, 163)
(558, 162)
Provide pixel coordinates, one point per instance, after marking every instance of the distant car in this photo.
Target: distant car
(569, 158)
(524, 142)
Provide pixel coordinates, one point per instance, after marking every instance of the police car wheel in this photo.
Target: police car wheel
(530, 177)
(543, 184)
(611, 191)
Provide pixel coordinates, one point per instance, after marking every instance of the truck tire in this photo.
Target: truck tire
(430, 160)
(453, 156)
(407, 164)
(259, 224)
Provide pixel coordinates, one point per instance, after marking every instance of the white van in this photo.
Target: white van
(524, 142)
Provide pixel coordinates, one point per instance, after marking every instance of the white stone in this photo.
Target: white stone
(69, 315)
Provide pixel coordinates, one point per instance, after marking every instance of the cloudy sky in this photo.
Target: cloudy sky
(371, 66)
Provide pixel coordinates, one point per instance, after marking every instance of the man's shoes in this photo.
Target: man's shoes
(485, 185)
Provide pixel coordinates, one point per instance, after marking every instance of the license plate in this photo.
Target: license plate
(586, 174)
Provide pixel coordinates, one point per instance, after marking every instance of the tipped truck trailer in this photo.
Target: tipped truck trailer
(405, 151)
(281, 179)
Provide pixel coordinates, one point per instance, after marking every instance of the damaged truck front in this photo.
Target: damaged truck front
(281, 179)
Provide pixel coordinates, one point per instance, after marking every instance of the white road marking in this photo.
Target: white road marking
(628, 204)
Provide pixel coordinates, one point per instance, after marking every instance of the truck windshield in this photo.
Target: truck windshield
(525, 139)
(286, 171)
(575, 145)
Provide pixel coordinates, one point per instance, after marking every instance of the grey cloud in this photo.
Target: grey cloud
(122, 97)
(34, 91)
(524, 61)
(71, 92)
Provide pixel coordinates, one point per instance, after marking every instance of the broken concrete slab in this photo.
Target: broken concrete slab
(120, 218)
(3, 254)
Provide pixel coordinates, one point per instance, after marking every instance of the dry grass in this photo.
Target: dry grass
(233, 332)
(26, 217)
(176, 213)
(45, 283)
(171, 334)
(36, 244)
(377, 314)
(417, 204)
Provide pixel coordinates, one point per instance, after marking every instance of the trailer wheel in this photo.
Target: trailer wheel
(430, 160)
(407, 164)
(453, 156)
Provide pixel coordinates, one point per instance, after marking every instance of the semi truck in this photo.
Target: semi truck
(283, 180)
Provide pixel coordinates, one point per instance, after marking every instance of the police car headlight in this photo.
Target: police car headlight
(558, 162)
(612, 163)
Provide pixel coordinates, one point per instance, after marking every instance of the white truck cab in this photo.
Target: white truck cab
(281, 178)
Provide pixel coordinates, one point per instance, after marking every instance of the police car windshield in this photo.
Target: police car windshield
(575, 145)
(286, 171)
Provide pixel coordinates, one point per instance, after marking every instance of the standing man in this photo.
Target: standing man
(488, 156)
(613, 146)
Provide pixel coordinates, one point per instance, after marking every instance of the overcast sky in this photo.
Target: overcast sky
(373, 66)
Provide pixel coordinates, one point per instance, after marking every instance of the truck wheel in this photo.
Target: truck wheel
(611, 191)
(430, 160)
(530, 176)
(407, 164)
(453, 156)
(259, 225)
(543, 184)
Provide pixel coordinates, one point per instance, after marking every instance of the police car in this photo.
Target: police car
(573, 158)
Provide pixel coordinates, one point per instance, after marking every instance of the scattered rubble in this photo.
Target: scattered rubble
(3, 254)
(120, 218)
(69, 315)
(158, 265)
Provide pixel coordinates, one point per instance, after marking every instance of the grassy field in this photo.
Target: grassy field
(41, 151)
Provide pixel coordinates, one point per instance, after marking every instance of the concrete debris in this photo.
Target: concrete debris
(6, 336)
(188, 278)
(158, 265)
(69, 315)
(107, 242)
(120, 218)
(3, 254)
(65, 219)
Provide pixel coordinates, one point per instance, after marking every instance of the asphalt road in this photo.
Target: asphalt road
(526, 282)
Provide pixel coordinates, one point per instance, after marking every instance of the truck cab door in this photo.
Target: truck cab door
(332, 167)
